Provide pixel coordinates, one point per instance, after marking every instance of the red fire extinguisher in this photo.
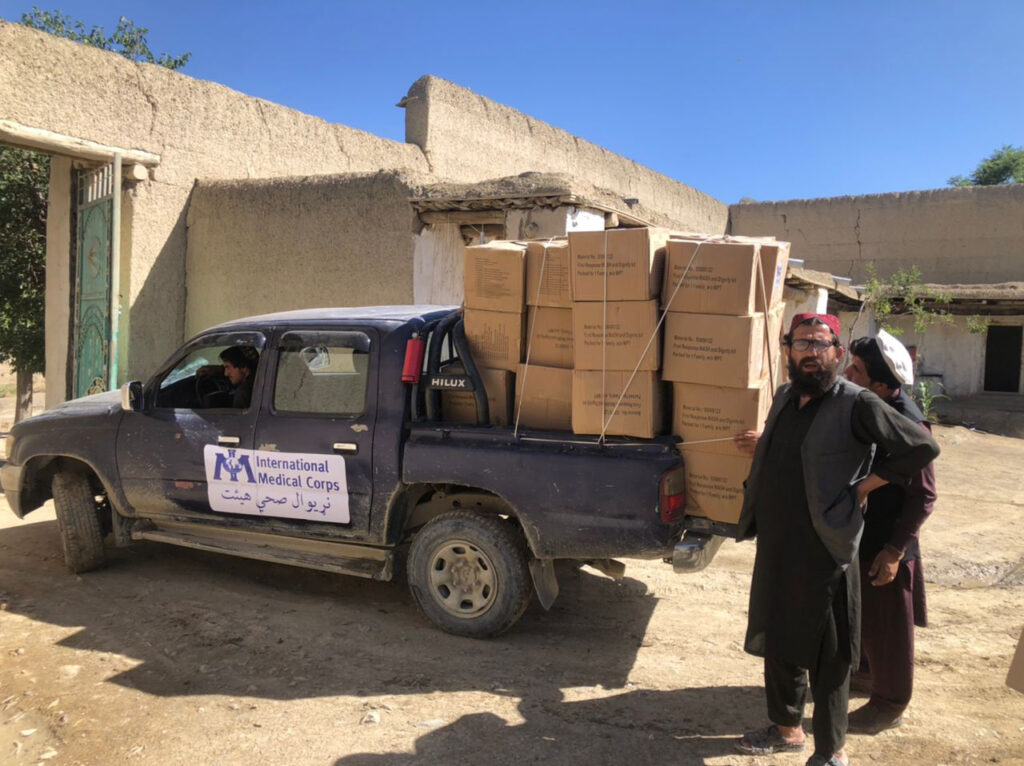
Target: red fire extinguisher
(414, 348)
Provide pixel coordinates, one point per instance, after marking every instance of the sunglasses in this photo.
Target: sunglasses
(803, 344)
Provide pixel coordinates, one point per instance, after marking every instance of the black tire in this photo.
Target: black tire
(81, 535)
(469, 573)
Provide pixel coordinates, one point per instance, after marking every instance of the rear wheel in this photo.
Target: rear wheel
(81, 535)
(469, 573)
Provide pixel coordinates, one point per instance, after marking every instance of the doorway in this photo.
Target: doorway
(1003, 358)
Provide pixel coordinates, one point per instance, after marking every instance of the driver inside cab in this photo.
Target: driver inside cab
(240, 370)
(230, 383)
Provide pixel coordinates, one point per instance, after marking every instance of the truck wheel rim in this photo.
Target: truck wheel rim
(462, 579)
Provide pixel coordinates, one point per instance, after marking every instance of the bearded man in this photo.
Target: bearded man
(809, 481)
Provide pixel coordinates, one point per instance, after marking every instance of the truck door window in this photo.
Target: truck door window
(322, 373)
(198, 379)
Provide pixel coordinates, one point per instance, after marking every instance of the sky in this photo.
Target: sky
(770, 100)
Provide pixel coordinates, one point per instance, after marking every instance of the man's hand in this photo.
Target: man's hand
(884, 567)
(746, 441)
(866, 487)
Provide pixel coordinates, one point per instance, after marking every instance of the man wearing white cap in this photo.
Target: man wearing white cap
(892, 582)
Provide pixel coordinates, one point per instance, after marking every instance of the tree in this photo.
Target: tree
(127, 40)
(1003, 166)
(903, 293)
(24, 178)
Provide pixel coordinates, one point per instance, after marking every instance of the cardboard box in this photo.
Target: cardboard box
(547, 274)
(494, 276)
(1015, 678)
(495, 338)
(720, 350)
(460, 406)
(700, 413)
(774, 263)
(714, 484)
(638, 414)
(613, 336)
(721, 279)
(549, 337)
(617, 264)
(543, 398)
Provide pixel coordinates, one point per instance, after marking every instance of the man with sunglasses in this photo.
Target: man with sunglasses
(811, 474)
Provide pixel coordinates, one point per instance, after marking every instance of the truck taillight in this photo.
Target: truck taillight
(413, 366)
(672, 502)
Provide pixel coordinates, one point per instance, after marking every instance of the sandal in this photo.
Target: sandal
(821, 760)
(767, 741)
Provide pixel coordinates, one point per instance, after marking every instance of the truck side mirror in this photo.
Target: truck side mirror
(131, 396)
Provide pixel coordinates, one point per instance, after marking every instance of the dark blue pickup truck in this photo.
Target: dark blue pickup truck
(332, 461)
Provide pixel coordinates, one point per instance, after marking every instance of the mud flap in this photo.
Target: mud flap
(542, 571)
(122, 529)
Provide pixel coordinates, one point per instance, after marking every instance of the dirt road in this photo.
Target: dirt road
(170, 656)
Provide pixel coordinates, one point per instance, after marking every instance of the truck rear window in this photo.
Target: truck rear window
(323, 373)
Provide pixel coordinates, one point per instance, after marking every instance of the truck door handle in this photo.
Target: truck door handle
(349, 447)
(228, 441)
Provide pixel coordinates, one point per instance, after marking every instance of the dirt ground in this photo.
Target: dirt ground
(170, 656)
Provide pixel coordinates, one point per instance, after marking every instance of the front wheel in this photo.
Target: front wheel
(469, 573)
(81, 535)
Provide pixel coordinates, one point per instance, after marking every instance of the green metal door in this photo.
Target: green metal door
(95, 211)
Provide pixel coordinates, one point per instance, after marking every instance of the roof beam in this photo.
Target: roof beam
(464, 217)
(48, 142)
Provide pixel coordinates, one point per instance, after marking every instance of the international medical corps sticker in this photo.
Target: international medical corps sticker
(288, 485)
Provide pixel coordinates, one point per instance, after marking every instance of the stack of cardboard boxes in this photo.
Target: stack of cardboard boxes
(721, 354)
(518, 319)
(567, 324)
(544, 382)
(616, 280)
(495, 300)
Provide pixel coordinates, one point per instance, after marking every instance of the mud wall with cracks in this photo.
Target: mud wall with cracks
(468, 137)
(961, 235)
(328, 241)
(198, 129)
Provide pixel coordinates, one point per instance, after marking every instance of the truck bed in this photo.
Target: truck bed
(544, 474)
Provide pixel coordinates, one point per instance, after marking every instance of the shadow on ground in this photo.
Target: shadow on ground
(685, 726)
(199, 623)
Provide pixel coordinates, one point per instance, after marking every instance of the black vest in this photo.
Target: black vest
(834, 462)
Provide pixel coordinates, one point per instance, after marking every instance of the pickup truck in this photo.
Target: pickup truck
(339, 464)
